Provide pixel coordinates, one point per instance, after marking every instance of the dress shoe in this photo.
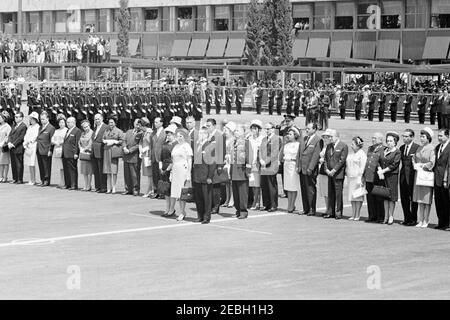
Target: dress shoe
(197, 220)
(13, 181)
(425, 225)
(243, 217)
(338, 217)
(135, 193)
(419, 225)
(439, 228)
(237, 214)
(153, 196)
(72, 188)
(272, 210)
(446, 229)
(411, 224)
(405, 223)
(214, 212)
(205, 221)
(329, 216)
(101, 191)
(126, 193)
(181, 217)
(311, 214)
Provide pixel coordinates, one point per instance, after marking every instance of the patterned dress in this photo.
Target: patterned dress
(291, 176)
(425, 158)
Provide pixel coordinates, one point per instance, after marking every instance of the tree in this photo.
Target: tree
(124, 21)
(256, 33)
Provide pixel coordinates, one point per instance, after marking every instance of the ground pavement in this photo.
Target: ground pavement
(58, 244)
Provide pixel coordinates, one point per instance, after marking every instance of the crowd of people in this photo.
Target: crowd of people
(94, 49)
(236, 165)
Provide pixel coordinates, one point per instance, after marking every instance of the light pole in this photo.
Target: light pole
(19, 20)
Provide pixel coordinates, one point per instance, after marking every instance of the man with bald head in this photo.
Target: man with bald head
(70, 154)
(375, 205)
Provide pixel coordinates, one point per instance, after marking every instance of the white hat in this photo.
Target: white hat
(171, 128)
(176, 120)
(256, 122)
(297, 25)
(429, 131)
(329, 133)
(231, 126)
(34, 115)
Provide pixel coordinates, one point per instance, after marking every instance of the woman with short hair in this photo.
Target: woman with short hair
(30, 146)
(5, 158)
(255, 140)
(424, 159)
(85, 145)
(112, 139)
(289, 159)
(355, 165)
(166, 164)
(57, 141)
(145, 151)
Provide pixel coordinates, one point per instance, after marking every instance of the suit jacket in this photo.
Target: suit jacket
(407, 171)
(216, 147)
(373, 157)
(269, 152)
(308, 155)
(97, 142)
(157, 143)
(240, 165)
(201, 170)
(391, 160)
(442, 166)
(44, 140)
(70, 145)
(16, 137)
(131, 142)
(335, 158)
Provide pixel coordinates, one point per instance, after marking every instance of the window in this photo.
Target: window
(136, 19)
(151, 17)
(104, 23)
(391, 13)
(165, 19)
(345, 12)
(322, 15)
(60, 21)
(415, 13)
(34, 23)
(47, 22)
(201, 19)
(221, 18)
(10, 23)
(368, 14)
(301, 14)
(90, 21)
(74, 20)
(240, 16)
(440, 14)
(185, 21)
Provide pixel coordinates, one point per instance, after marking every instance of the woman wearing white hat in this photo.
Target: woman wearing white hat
(255, 140)
(229, 129)
(5, 158)
(30, 144)
(166, 164)
(424, 160)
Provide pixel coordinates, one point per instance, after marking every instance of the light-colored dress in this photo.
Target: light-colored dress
(57, 141)
(30, 145)
(110, 165)
(181, 153)
(145, 153)
(5, 129)
(255, 177)
(291, 176)
(356, 163)
(85, 145)
(426, 158)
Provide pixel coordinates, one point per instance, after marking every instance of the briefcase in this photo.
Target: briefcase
(382, 192)
(187, 195)
(425, 178)
(163, 188)
(116, 152)
(87, 156)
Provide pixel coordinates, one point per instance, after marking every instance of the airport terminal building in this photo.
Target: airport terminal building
(328, 32)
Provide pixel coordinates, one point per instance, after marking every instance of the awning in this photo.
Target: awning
(436, 48)
(150, 46)
(235, 48)
(180, 47)
(198, 48)
(216, 48)
(341, 49)
(364, 50)
(299, 48)
(413, 43)
(317, 48)
(388, 49)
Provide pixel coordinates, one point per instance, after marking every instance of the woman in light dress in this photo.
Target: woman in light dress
(145, 154)
(85, 145)
(255, 140)
(30, 146)
(356, 163)
(424, 159)
(5, 159)
(229, 129)
(180, 175)
(57, 141)
(291, 176)
(112, 138)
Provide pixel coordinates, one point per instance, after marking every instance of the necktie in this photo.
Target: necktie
(440, 150)
(406, 150)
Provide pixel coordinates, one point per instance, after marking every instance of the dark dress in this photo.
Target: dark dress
(391, 160)
(166, 159)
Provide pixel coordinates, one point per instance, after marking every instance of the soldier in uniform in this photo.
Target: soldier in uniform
(371, 108)
(407, 107)
(358, 105)
(238, 94)
(297, 96)
(279, 98)
(433, 106)
(208, 101)
(393, 106)
(324, 106)
(270, 98)
(343, 98)
(258, 98)
(289, 99)
(217, 99)
(381, 106)
(421, 106)
(228, 99)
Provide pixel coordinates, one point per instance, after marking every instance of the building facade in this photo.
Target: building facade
(405, 31)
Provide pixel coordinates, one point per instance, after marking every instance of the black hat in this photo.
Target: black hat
(290, 116)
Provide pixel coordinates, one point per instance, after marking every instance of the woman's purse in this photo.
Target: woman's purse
(424, 178)
(116, 152)
(163, 188)
(382, 191)
(86, 156)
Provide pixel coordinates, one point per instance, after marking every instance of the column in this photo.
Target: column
(209, 18)
(172, 19)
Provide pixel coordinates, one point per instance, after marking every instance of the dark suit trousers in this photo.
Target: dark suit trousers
(70, 172)
(375, 205)
(130, 171)
(269, 189)
(100, 177)
(240, 195)
(45, 168)
(442, 202)
(216, 194)
(203, 196)
(156, 174)
(335, 196)
(17, 166)
(309, 192)
(406, 195)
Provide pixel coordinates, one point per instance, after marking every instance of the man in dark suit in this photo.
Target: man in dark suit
(375, 205)
(268, 155)
(45, 149)
(441, 191)
(16, 150)
(158, 138)
(308, 166)
(97, 153)
(70, 154)
(406, 178)
(335, 160)
(130, 158)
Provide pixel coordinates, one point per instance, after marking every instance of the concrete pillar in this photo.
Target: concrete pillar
(173, 19)
(209, 18)
(19, 20)
(88, 78)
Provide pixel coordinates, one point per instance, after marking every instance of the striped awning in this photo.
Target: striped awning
(436, 48)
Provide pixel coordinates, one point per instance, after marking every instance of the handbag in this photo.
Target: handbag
(187, 195)
(425, 178)
(116, 152)
(87, 156)
(163, 188)
(360, 192)
(382, 192)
